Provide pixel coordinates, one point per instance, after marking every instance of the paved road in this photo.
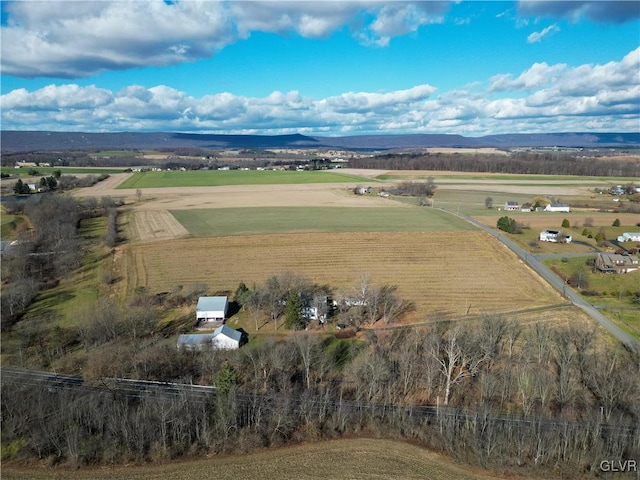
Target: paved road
(534, 262)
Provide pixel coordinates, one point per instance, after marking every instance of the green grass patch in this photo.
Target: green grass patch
(215, 178)
(244, 221)
(117, 153)
(8, 226)
(46, 171)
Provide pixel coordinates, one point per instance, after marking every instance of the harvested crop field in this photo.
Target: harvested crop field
(443, 272)
(335, 459)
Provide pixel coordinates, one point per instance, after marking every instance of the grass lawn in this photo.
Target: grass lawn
(214, 178)
(242, 221)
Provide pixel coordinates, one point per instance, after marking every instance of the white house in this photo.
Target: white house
(212, 309)
(513, 206)
(554, 236)
(557, 207)
(629, 237)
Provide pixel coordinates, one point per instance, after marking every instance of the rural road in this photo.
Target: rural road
(534, 262)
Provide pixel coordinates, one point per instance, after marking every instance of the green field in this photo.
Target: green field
(45, 171)
(242, 221)
(216, 178)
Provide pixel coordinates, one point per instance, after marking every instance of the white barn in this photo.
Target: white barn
(557, 207)
(212, 309)
(226, 338)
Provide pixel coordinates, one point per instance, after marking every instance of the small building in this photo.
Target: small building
(316, 309)
(212, 309)
(526, 207)
(227, 338)
(223, 337)
(195, 341)
(629, 237)
(554, 236)
(512, 206)
(557, 207)
(615, 263)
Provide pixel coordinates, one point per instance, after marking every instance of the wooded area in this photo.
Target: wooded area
(514, 163)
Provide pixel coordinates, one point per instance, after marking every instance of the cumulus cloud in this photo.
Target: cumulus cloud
(597, 11)
(542, 98)
(52, 39)
(537, 36)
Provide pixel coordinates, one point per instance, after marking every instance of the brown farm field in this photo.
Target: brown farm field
(359, 458)
(445, 272)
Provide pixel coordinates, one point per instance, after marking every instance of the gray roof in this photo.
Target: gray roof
(208, 304)
(229, 332)
(195, 338)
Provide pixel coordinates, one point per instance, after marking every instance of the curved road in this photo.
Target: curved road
(558, 284)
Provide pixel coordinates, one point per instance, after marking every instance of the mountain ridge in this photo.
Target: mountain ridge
(29, 141)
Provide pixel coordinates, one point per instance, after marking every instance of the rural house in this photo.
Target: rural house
(615, 263)
(316, 309)
(512, 206)
(629, 237)
(526, 207)
(211, 309)
(554, 236)
(557, 207)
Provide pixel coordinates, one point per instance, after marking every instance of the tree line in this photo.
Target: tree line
(539, 398)
(514, 162)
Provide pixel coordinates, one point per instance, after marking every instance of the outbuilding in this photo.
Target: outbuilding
(212, 309)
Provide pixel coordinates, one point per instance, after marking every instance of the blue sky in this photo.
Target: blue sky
(327, 68)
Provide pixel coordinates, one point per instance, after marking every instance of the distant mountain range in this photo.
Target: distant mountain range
(20, 141)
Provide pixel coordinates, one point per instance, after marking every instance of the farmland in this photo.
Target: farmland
(435, 270)
(237, 221)
(355, 458)
(213, 178)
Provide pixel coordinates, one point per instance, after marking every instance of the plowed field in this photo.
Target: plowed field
(442, 272)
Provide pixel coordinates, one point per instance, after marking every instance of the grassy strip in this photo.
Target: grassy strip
(214, 178)
(45, 171)
(242, 221)
(79, 290)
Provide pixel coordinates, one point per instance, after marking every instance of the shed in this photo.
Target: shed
(196, 341)
(212, 309)
(513, 206)
(227, 338)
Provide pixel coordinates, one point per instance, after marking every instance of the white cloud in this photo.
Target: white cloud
(537, 36)
(79, 39)
(610, 11)
(542, 98)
